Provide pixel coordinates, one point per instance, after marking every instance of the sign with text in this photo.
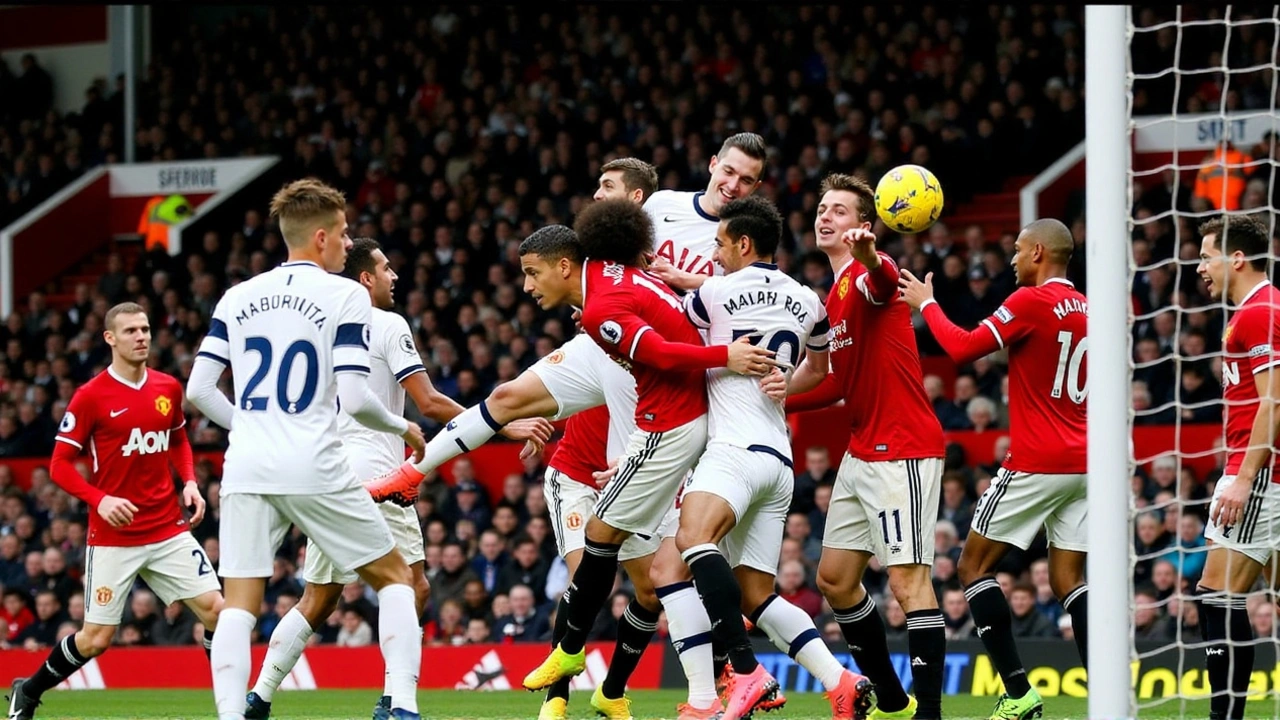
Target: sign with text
(200, 177)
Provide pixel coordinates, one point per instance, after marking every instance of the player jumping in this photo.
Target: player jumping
(885, 501)
(1244, 521)
(131, 418)
(297, 341)
(1042, 481)
(734, 506)
(395, 368)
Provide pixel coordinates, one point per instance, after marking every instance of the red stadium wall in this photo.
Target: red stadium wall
(56, 241)
(466, 667)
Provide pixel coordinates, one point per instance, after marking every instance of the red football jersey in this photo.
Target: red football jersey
(1045, 329)
(126, 430)
(623, 303)
(584, 446)
(877, 366)
(1252, 342)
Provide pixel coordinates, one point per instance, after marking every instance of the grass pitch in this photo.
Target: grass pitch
(513, 705)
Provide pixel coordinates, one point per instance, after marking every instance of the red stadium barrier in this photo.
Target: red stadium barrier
(466, 667)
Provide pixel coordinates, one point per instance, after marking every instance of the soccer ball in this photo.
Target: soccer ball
(909, 199)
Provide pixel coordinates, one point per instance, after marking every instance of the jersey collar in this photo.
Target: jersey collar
(1064, 281)
(698, 208)
(136, 386)
(1254, 291)
(300, 263)
(765, 265)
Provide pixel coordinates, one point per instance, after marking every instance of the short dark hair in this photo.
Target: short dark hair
(124, 308)
(749, 143)
(636, 175)
(360, 258)
(1240, 232)
(856, 185)
(523, 539)
(758, 219)
(616, 230)
(552, 243)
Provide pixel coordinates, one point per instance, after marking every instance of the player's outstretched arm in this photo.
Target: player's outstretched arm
(880, 284)
(963, 346)
(741, 356)
(1266, 423)
(203, 392)
(674, 276)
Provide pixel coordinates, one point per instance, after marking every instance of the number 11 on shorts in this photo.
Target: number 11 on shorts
(897, 525)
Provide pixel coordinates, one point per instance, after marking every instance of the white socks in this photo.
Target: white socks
(386, 681)
(401, 639)
(690, 629)
(788, 627)
(230, 661)
(287, 643)
(466, 432)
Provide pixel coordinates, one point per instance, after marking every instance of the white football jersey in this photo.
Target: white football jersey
(764, 303)
(286, 334)
(392, 358)
(683, 233)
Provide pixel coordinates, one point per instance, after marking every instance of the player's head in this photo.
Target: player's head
(1045, 243)
(749, 231)
(845, 202)
(313, 222)
(617, 230)
(551, 260)
(629, 178)
(128, 331)
(369, 266)
(1233, 245)
(736, 170)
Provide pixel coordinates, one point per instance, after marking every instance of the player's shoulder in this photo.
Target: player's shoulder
(666, 200)
(162, 379)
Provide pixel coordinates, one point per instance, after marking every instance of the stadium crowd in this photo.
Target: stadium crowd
(454, 136)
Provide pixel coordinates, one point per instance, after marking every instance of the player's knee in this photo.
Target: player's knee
(208, 610)
(970, 569)
(94, 640)
(505, 401)
(831, 581)
(912, 585)
(647, 598)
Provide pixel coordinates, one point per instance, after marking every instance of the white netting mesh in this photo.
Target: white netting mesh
(1198, 76)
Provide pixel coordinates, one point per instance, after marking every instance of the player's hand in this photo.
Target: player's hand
(774, 385)
(577, 319)
(1229, 508)
(603, 477)
(118, 512)
(530, 449)
(416, 440)
(193, 501)
(914, 292)
(862, 243)
(668, 273)
(537, 430)
(748, 359)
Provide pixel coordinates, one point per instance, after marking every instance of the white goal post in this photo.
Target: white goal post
(1107, 266)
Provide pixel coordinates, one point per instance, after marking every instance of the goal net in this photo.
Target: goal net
(1202, 96)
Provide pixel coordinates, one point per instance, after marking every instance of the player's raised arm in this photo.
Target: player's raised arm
(963, 346)
(637, 341)
(880, 284)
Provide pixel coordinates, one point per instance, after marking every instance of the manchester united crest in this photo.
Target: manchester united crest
(163, 405)
(103, 595)
(555, 358)
(574, 521)
(843, 288)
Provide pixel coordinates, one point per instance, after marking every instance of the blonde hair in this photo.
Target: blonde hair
(304, 206)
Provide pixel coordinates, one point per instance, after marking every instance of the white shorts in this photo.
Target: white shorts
(175, 569)
(758, 486)
(580, 376)
(649, 476)
(346, 525)
(1018, 504)
(1257, 535)
(886, 508)
(404, 527)
(571, 503)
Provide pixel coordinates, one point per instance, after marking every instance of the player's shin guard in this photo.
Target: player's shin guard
(864, 632)
(723, 599)
(792, 631)
(231, 662)
(591, 585)
(466, 432)
(64, 659)
(287, 642)
(399, 637)
(635, 630)
(994, 623)
(927, 643)
(1076, 603)
(690, 629)
(1229, 656)
(561, 687)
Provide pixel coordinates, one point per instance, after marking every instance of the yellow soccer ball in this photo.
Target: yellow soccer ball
(909, 199)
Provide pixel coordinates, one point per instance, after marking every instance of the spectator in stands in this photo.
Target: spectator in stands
(1151, 539)
(981, 413)
(478, 631)
(1046, 601)
(11, 562)
(285, 601)
(1149, 623)
(1188, 552)
(817, 470)
(524, 623)
(468, 502)
(821, 506)
(793, 588)
(356, 631)
(43, 632)
(475, 600)
(526, 567)
(956, 507)
(798, 529)
(449, 629)
(16, 615)
(1028, 622)
(506, 521)
(895, 620)
(491, 559)
(174, 625)
(955, 611)
(454, 574)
